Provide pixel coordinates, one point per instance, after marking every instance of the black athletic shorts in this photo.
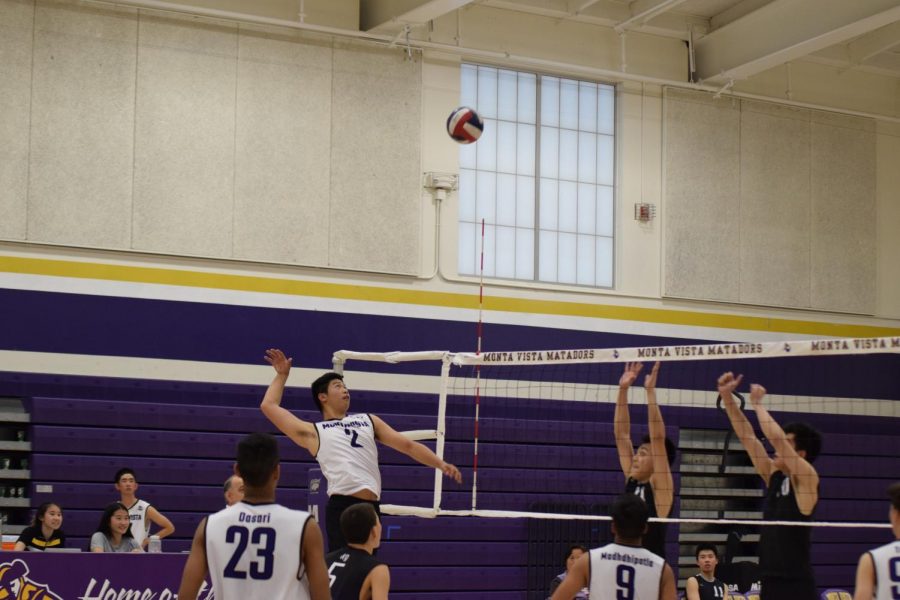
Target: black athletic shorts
(337, 504)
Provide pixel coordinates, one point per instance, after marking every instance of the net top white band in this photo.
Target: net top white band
(830, 347)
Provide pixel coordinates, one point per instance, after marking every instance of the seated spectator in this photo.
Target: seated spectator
(572, 554)
(234, 490)
(44, 531)
(114, 531)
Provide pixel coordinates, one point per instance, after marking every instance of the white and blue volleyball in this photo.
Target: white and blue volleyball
(464, 125)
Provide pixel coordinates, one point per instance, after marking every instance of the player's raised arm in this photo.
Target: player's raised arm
(622, 419)
(195, 569)
(314, 561)
(802, 473)
(727, 383)
(386, 434)
(661, 480)
(300, 431)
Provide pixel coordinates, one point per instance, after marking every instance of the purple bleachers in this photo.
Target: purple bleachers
(183, 452)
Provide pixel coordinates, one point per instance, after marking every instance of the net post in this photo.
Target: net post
(441, 428)
(337, 363)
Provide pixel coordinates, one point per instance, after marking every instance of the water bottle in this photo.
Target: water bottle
(155, 545)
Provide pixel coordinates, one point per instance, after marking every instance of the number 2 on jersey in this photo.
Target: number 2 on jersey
(355, 435)
(263, 540)
(625, 582)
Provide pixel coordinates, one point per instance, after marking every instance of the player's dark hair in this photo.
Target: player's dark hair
(108, 512)
(42, 510)
(124, 471)
(806, 437)
(894, 494)
(257, 458)
(320, 386)
(703, 547)
(574, 547)
(670, 447)
(357, 522)
(629, 514)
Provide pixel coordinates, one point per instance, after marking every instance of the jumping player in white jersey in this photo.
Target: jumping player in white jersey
(878, 573)
(257, 548)
(622, 569)
(344, 445)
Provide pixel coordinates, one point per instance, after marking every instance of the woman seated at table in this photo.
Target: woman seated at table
(44, 531)
(114, 531)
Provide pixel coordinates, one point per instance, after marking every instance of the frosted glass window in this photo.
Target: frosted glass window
(487, 93)
(507, 94)
(467, 195)
(506, 199)
(568, 206)
(549, 152)
(524, 253)
(568, 154)
(568, 104)
(525, 150)
(541, 176)
(548, 259)
(527, 99)
(549, 211)
(587, 107)
(550, 101)
(506, 261)
(567, 258)
(525, 202)
(587, 274)
(506, 147)
(486, 148)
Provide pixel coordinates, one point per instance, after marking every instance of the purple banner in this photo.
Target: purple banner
(90, 576)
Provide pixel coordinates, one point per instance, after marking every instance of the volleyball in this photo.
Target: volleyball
(464, 125)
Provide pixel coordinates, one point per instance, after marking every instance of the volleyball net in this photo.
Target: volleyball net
(535, 429)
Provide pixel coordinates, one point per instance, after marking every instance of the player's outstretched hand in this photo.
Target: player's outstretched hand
(279, 361)
(630, 374)
(728, 383)
(650, 380)
(452, 472)
(756, 393)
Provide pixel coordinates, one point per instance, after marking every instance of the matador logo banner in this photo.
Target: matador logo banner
(16, 585)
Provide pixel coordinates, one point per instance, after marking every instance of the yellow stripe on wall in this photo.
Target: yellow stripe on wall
(272, 285)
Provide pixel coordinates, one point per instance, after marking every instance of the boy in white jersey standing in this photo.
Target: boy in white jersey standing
(140, 512)
(878, 573)
(257, 548)
(344, 445)
(622, 569)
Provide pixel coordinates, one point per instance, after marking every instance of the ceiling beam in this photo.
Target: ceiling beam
(784, 30)
(881, 40)
(391, 16)
(645, 14)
